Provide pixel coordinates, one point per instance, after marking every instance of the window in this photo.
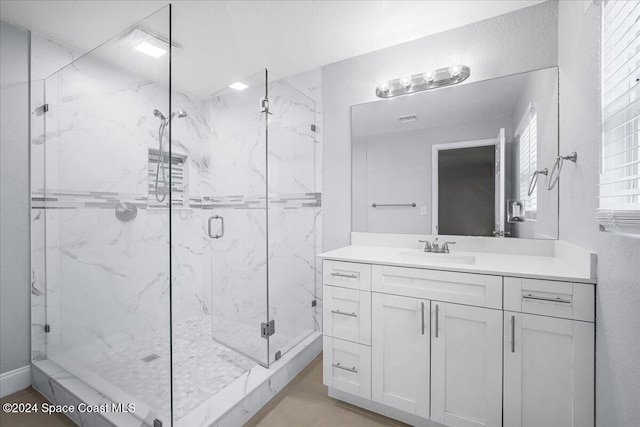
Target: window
(528, 148)
(619, 207)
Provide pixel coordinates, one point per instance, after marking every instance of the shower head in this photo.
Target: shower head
(159, 115)
(180, 114)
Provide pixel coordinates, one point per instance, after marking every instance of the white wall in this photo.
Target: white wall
(520, 41)
(618, 289)
(14, 201)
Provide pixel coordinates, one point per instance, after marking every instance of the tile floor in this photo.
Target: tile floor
(202, 367)
(303, 402)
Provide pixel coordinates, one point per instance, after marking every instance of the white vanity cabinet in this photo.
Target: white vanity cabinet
(400, 352)
(466, 365)
(548, 353)
(459, 349)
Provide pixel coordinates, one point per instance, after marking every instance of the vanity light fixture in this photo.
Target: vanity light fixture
(423, 81)
(238, 86)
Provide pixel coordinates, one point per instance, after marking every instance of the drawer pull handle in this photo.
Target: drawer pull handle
(350, 276)
(339, 366)
(557, 299)
(437, 320)
(343, 313)
(513, 334)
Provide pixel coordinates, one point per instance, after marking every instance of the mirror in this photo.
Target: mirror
(459, 160)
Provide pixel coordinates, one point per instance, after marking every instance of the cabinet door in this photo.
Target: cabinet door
(548, 371)
(400, 353)
(466, 365)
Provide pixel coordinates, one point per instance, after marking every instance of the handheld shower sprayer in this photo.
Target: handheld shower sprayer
(160, 166)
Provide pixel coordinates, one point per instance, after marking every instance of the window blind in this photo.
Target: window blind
(619, 205)
(528, 145)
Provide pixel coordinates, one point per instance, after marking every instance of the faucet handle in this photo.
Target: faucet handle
(445, 246)
(427, 245)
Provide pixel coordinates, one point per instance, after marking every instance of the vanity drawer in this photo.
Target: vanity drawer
(463, 288)
(346, 366)
(347, 314)
(549, 298)
(346, 275)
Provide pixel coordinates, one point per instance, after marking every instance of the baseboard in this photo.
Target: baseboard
(385, 410)
(15, 380)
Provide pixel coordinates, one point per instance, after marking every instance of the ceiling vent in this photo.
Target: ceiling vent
(407, 119)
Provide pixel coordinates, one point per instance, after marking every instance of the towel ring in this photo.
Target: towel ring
(557, 168)
(534, 180)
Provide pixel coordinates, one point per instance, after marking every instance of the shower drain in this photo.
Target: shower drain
(150, 358)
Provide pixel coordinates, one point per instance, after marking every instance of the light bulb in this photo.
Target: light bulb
(405, 82)
(383, 86)
(455, 70)
(429, 76)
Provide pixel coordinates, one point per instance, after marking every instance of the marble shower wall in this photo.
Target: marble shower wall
(105, 280)
(241, 148)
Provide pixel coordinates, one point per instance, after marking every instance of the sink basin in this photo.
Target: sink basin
(432, 258)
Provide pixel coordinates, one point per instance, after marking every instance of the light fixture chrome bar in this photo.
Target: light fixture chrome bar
(423, 81)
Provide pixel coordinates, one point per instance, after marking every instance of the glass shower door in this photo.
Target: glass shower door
(293, 207)
(235, 213)
(107, 251)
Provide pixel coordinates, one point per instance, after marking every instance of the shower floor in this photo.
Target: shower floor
(138, 368)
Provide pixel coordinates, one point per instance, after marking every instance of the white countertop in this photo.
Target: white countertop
(513, 265)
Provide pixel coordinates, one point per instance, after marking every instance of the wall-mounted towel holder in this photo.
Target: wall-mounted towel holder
(554, 176)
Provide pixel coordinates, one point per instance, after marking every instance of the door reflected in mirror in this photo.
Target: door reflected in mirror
(465, 165)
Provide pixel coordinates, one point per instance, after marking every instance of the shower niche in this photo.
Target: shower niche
(161, 165)
(163, 310)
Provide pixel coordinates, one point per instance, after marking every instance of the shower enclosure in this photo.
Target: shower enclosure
(173, 233)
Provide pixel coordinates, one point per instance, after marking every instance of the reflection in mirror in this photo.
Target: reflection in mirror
(464, 160)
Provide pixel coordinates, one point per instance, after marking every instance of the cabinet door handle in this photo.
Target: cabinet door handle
(339, 366)
(437, 322)
(422, 318)
(513, 334)
(343, 313)
(551, 299)
(350, 276)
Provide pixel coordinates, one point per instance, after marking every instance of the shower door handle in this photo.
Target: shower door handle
(216, 236)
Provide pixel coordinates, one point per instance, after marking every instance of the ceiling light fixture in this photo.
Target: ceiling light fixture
(423, 81)
(238, 86)
(151, 50)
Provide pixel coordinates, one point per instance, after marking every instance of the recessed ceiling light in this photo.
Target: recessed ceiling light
(150, 49)
(238, 86)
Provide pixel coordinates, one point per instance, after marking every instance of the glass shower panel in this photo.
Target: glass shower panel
(107, 241)
(235, 218)
(293, 207)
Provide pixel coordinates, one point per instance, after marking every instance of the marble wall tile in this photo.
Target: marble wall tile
(106, 282)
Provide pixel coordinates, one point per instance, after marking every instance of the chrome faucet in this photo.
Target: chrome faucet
(435, 247)
(427, 245)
